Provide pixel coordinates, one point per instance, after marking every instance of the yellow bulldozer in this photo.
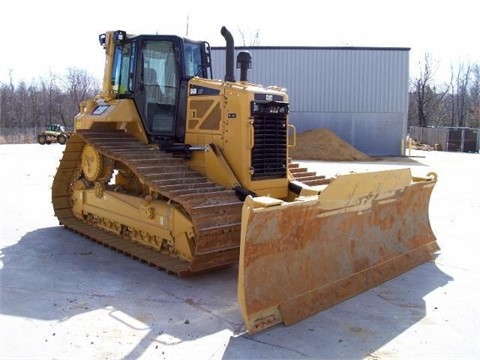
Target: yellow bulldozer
(189, 174)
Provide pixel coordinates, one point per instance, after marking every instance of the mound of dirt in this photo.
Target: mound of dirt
(325, 145)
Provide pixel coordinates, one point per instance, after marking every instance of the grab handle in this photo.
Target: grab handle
(251, 133)
(294, 136)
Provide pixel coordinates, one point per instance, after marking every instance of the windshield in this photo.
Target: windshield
(160, 84)
(159, 68)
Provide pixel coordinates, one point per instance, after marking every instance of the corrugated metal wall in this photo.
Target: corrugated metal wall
(359, 93)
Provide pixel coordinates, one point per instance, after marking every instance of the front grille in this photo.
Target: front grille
(269, 154)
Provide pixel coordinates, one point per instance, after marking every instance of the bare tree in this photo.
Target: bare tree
(52, 90)
(459, 94)
(475, 97)
(78, 85)
(253, 40)
(425, 95)
(21, 103)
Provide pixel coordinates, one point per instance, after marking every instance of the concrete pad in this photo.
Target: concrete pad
(63, 296)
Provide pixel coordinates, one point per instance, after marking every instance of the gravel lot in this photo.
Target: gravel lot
(65, 297)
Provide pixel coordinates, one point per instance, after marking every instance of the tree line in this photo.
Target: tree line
(454, 103)
(27, 108)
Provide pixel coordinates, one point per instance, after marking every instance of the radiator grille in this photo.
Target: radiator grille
(269, 154)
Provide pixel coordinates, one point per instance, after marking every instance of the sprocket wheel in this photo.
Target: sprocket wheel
(92, 163)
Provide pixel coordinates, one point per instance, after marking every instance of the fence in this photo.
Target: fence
(18, 136)
(447, 138)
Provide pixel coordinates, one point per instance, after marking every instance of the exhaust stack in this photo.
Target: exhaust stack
(230, 61)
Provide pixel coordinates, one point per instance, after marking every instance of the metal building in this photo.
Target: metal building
(360, 93)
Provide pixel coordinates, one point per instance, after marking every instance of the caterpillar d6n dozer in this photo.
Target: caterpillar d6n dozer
(191, 174)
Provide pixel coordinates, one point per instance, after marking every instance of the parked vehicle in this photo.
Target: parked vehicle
(54, 133)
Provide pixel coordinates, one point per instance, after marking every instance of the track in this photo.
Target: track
(214, 210)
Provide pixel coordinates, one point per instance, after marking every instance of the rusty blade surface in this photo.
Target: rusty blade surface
(299, 258)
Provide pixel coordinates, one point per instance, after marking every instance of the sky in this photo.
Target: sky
(48, 37)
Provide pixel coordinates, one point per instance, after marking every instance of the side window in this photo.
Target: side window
(193, 60)
(117, 63)
(131, 70)
(122, 74)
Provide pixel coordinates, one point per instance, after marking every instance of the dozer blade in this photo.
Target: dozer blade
(299, 258)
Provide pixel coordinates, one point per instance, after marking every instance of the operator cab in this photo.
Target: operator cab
(154, 70)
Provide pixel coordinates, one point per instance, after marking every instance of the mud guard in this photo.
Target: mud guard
(301, 257)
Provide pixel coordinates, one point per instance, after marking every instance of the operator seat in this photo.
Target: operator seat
(153, 93)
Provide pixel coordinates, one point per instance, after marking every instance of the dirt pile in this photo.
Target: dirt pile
(325, 145)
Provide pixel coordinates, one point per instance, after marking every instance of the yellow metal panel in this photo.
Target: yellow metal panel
(153, 217)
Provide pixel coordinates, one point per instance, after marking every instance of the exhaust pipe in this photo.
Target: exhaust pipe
(230, 61)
